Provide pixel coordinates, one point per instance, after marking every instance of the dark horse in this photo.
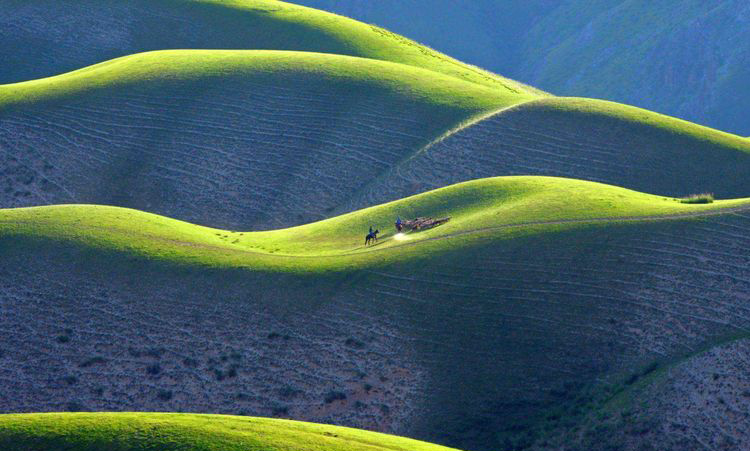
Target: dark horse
(371, 237)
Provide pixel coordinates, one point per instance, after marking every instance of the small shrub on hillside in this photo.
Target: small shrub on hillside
(289, 392)
(92, 361)
(190, 362)
(335, 396)
(153, 369)
(63, 338)
(354, 343)
(165, 395)
(703, 198)
(155, 352)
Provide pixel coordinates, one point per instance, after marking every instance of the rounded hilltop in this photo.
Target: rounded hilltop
(170, 431)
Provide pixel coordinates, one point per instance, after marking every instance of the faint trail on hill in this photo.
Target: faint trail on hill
(724, 211)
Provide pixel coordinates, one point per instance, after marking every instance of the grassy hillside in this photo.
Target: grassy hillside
(176, 65)
(482, 209)
(241, 139)
(137, 431)
(480, 334)
(579, 138)
(61, 38)
(487, 33)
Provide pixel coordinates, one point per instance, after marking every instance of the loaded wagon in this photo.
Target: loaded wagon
(423, 223)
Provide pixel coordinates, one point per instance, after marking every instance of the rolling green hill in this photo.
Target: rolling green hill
(43, 37)
(580, 138)
(137, 431)
(224, 270)
(264, 139)
(540, 296)
(240, 139)
(482, 209)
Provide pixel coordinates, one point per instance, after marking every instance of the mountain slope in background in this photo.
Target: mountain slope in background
(682, 58)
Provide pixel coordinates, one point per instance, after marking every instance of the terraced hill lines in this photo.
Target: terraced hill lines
(136, 431)
(579, 138)
(41, 38)
(473, 340)
(240, 139)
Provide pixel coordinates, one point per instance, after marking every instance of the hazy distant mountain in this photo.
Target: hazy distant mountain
(683, 58)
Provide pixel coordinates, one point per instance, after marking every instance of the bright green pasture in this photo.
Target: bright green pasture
(174, 66)
(169, 431)
(493, 208)
(354, 38)
(248, 25)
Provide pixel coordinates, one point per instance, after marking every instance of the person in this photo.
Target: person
(370, 230)
(399, 226)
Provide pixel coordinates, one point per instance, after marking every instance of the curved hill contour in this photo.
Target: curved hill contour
(236, 139)
(41, 38)
(165, 432)
(496, 208)
(485, 333)
(579, 138)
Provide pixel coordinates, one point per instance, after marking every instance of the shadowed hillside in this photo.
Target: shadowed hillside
(581, 138)
(467, 340)
(236, 139)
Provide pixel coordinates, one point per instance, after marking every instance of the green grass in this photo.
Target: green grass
(173, 66)
(167, 431)
(494, 208)
(704, 198)
(277, 25)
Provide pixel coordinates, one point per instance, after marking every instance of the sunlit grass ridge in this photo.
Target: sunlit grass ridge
(137, 431)
(494, 208)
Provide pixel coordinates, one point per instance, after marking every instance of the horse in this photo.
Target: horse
(371, 237)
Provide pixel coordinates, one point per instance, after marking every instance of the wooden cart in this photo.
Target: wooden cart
(423, 223)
